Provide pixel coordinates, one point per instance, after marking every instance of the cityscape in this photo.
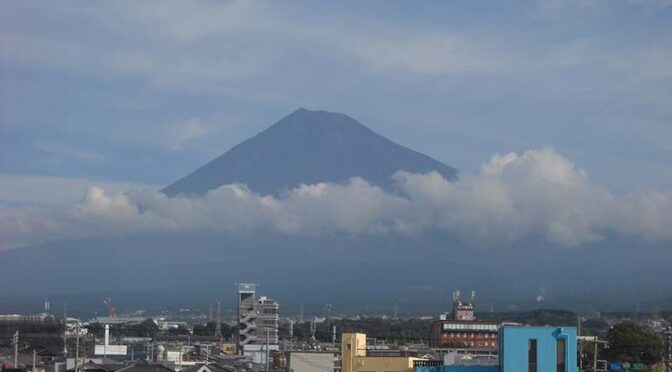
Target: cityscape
(258, 336)
(336, 186)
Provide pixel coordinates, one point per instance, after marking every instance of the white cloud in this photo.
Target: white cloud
(537, 194)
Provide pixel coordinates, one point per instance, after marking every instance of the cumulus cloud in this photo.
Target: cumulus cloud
(537, 194)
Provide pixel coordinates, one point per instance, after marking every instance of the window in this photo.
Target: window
(560, 356)
(532, 355)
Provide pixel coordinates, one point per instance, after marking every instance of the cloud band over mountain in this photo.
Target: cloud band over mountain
(537, 194)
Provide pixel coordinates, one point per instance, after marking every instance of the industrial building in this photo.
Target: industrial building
(461, 330)
(108, 349)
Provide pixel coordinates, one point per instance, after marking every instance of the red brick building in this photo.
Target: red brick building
(469, 334)
(462, 330)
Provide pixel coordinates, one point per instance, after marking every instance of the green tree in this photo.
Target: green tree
(96, 329)
(630, 342)
(208, 329)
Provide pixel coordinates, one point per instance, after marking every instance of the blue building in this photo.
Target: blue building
(537, 349)
(527, 349)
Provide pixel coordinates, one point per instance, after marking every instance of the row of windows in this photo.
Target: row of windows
(472, 335)
(471, 327)
(480, 344)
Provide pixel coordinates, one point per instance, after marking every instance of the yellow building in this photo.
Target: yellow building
(355, 359)
(228, 348)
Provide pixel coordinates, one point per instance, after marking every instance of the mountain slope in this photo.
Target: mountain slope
(308, 147)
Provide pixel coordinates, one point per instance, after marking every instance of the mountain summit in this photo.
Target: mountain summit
(308, 147)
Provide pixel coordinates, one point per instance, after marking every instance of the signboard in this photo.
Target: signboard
(625, 366)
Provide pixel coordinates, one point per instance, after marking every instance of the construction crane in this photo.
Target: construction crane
(108, 302)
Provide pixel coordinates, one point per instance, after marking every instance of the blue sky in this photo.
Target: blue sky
(128, 92)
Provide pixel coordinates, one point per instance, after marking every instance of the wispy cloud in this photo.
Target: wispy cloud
(20, 190)
(180, 133)
(656, 4)
(238, 40)
(73, 153)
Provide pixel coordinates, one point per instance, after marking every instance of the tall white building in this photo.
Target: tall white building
(257, 323)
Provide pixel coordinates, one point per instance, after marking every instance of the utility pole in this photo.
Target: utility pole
(595, 342)
(668, 361)
(34, 354)
(595, 358)
(180, 363)
(77, 347)
(267, 344)
(16, 349)
(578, 332)
(313, 341)
(65, 331)
(218, 325)
(328, 315)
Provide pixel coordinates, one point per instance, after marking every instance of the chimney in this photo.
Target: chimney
(107, 338)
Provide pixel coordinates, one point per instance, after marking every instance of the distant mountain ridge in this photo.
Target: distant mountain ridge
(308, 147)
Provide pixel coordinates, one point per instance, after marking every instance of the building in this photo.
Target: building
(355, 357)
(258, 322)
(538, 349)
(267, 320)
(247, 317)
(92, 364)
(35, 330)
(525, 349)
(97, 366)
(118, 319)
(459, 334)
(107, 349)
(461, 330)
(471, 357)
(200, 367)
(310, 361)
(145, 367)
(463, 310)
